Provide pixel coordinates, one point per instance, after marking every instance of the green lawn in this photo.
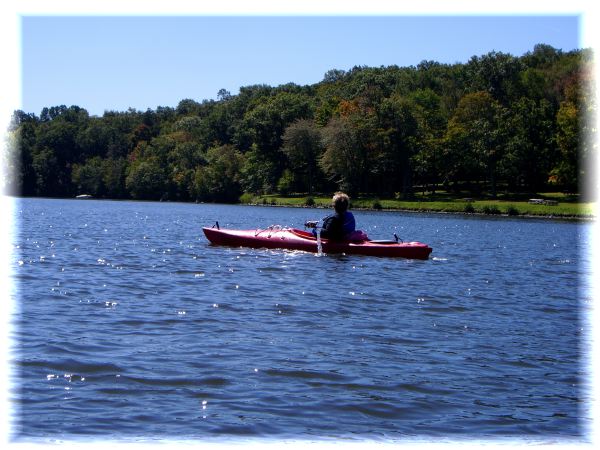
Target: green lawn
(567, 206)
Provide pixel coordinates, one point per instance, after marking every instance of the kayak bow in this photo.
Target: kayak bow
(295, 239)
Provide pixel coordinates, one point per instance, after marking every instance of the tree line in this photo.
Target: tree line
(498, 123)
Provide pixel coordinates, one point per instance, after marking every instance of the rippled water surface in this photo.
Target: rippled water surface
(130, 325)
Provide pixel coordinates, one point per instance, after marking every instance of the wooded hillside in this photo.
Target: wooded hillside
(498, 123)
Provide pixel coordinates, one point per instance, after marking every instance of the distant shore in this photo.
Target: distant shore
(554, 206)
(559, 206)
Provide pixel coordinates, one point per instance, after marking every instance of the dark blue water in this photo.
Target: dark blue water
(129, 325)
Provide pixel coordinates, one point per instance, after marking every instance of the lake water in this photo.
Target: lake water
(129, 325)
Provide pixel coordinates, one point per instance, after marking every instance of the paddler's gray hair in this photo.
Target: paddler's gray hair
(340, 202)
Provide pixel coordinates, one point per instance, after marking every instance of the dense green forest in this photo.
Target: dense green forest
(498, 123)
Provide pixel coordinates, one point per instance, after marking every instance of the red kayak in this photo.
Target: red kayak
(294, 239)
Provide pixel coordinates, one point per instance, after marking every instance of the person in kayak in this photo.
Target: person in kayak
(339, 225)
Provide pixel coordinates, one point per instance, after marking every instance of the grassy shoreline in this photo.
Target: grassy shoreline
(566, 208)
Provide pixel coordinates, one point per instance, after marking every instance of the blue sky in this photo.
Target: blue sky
(116, 62)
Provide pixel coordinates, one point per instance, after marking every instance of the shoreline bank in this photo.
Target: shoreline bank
(582, 218)
(480, 208)
(578, 211)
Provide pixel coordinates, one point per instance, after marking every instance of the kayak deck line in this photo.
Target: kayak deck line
(279, 237)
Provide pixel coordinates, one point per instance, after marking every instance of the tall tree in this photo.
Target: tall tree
(398, 130)
(530, 149)
(147, 179)
(498, 74)
(302, 144)
(265, 124)
(219, 180)
(431, 123)
(88, 178)
(474, 136)
(349, 141)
